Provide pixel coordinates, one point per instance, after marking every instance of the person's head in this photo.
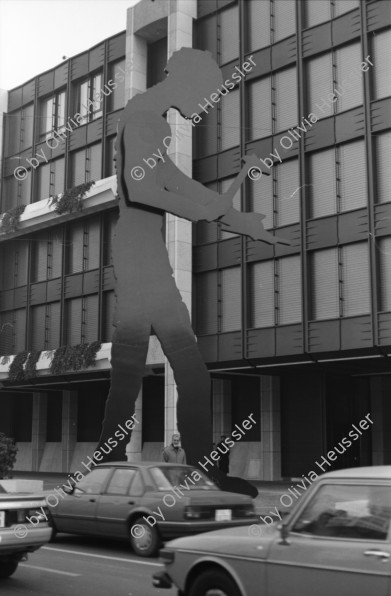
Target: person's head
(175, 440)
(192, 76)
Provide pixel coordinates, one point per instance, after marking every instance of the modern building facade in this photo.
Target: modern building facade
(298, 335)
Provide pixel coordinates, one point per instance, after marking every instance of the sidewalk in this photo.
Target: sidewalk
(267, 499)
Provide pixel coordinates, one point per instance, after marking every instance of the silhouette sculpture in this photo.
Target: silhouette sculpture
(147, 299)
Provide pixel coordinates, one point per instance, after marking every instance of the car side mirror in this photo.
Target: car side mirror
(284, 533)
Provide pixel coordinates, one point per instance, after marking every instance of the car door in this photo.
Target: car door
(77, 512)
(335, 545)
(121, 495)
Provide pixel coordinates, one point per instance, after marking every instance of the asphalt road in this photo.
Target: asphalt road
(77, 566)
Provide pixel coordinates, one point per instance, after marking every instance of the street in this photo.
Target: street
(85, 567)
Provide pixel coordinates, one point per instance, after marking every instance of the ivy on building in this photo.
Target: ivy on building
(71, 199)
(10, 219)
(16, 369)
(67, 358)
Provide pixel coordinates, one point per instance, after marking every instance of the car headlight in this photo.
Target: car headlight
(192, 513)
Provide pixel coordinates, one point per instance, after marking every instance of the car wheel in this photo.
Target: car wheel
(144, 539)
(7, 568)
(214, 583)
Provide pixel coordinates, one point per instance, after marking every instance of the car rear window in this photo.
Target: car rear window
(168, 477)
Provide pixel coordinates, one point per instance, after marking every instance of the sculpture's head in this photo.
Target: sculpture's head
(193, 75)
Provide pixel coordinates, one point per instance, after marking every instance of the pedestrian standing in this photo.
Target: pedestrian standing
(174, 454)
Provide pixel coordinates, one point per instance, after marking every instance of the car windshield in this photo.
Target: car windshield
(187, 478)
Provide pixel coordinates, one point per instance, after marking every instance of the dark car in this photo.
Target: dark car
(146, 503)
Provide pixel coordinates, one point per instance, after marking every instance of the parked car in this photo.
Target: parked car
(146, 503)
(18, 537)
(335, 541)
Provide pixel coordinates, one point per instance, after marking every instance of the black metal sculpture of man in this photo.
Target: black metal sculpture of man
(147, 299)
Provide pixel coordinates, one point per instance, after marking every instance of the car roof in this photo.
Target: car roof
(368, 472)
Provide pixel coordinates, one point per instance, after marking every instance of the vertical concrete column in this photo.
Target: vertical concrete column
(136, 60)
(376, 392)
(270, 428)
(179, 231)
(222, 419)
(38, 439)
(69, 428)
(135, 446)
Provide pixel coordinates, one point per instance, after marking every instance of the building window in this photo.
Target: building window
(335, 81)
(52, 115)
(278, 196)
(258, 24)
(45, 326)
(382, 75)
(340, 282)
(338, 179)
(284, 21)
(384, 252)
(51, 178)
(206, 301)
(275, 292)
(231, 299)
(273, 104)
(19, 127)
(110, 157)
(46, 258)
(13, 331)
(110, 222)
(236, 204)
(14, 264)
(83, 246)
(89, 99)
(82, 320)
(108, 315)
(16, 192)
(230, 120)
(229, 31)
(383, 160)
(27, 127)
(343, 6)
(86, 164)
(116, 84)
(324, 10)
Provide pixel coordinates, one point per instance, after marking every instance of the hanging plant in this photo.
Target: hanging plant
(16, 370)
(67, 358)
(10, 219)
(71, 199)
(30, 368)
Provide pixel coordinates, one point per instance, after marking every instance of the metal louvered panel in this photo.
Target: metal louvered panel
(289, 290)
(384, 245)
(236, 203)
(286, 99)
(229, 28)
(230, 120)
(12, 131)
(93, 243)
(342, 6)
(260, 108)
(54, 325)
(284, 18)
(353, 176)
(8, 260)
(38, 324)
(348, 60)
(20, 330)
(325, 284)
(108, 314)
(59, 175)
(90, 318)
(21, 263)
(40, 259)
(78, 167)
(25, 191)
(317, 12)
(55, 254)
(43, 181)
(74, 321)
(110, 221)
(259, 26)
(262, 294)
(76, 248)
(355, 276)
(7, 332)
(94, 164)
(288, 192)
(383, 161)
(323, 183)
(231, 299)
(320, 82)
(206, 303)
(27, 126)
(261, 199)
(117, 97)
(382, 51)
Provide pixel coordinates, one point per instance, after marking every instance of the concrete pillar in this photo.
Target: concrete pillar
(39, 423)
(270, 428)
(134, 448)
(179, 231)
(69, 428)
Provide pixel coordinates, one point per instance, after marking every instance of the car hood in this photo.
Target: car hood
(239, 541)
